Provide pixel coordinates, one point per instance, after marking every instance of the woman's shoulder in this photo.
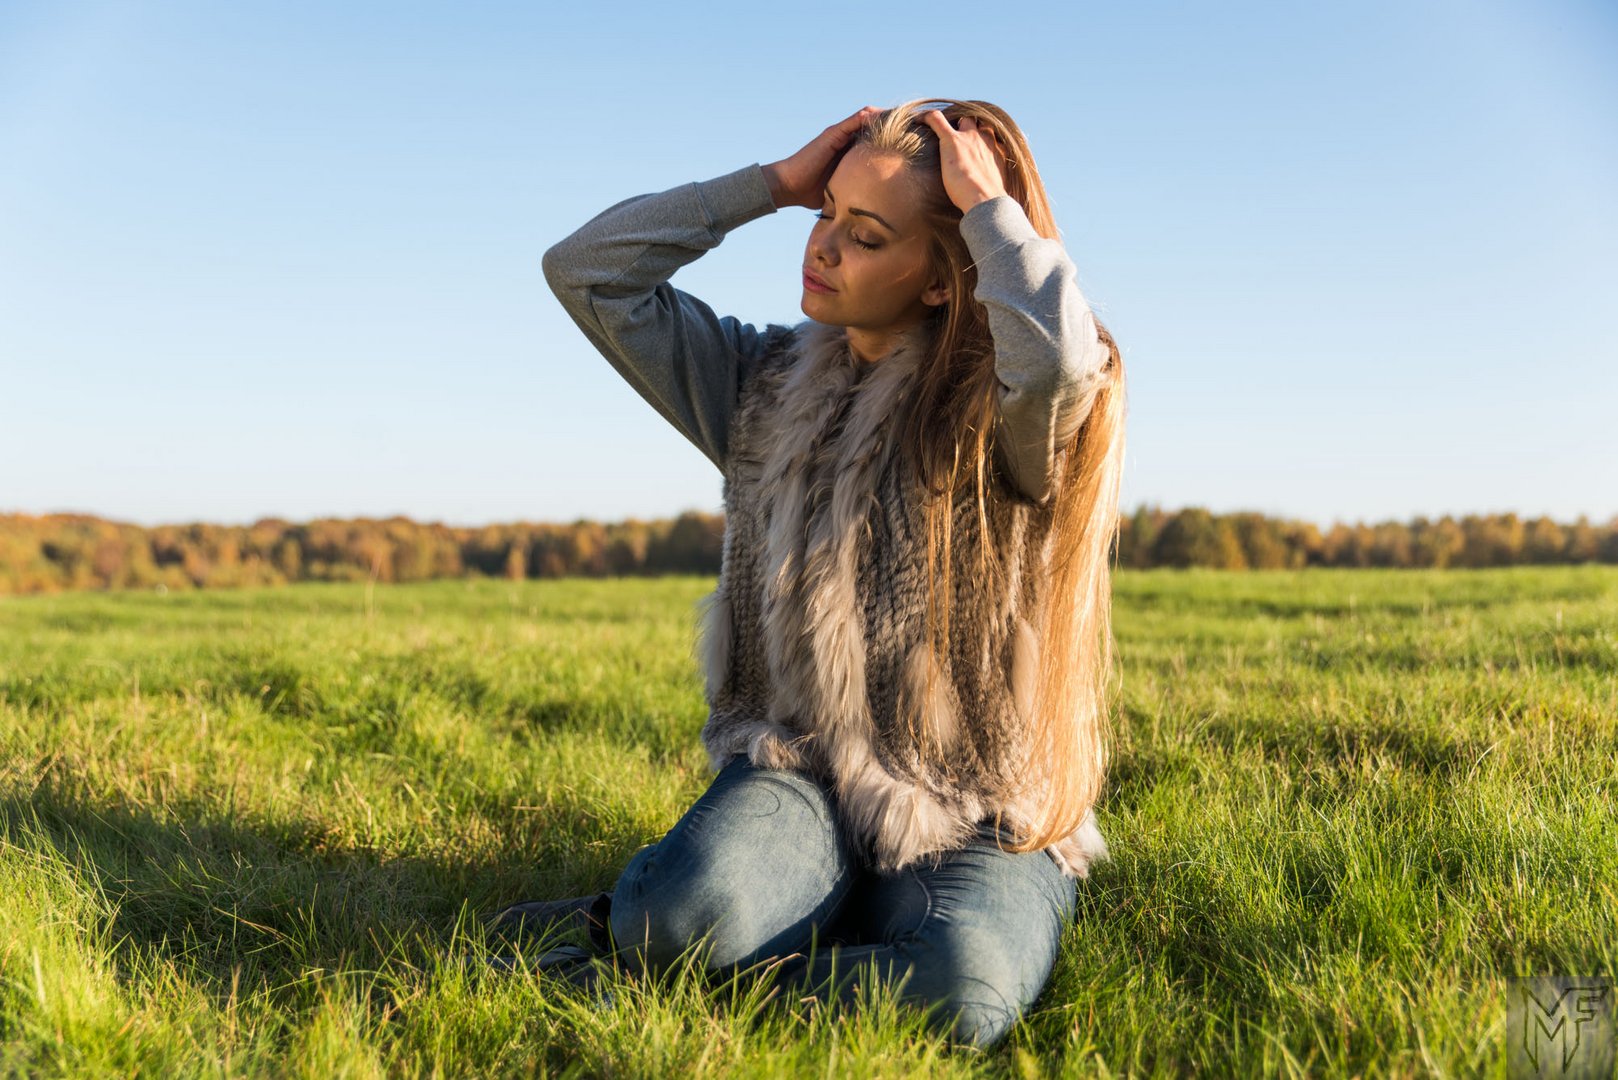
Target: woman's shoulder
(781, 344)
(764, 368)
(780, 338)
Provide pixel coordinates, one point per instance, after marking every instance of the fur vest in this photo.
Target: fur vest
(815, 643)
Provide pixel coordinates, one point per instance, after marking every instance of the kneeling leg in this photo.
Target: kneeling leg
(749, 870)
(973, 940)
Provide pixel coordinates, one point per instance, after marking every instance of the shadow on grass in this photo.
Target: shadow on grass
(243, 905)
(266, 902)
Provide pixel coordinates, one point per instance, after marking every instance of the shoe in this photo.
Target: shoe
(564, 960)
(533, 918)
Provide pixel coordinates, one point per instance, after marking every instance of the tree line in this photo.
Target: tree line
(56, 552)
(1193, 536)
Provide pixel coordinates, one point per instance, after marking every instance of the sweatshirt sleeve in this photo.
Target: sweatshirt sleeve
(611, 275)
(1048, 355)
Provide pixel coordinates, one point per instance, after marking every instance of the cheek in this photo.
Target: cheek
(901, 281)
(905, 269)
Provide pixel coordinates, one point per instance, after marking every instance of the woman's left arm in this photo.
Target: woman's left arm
(1048, 355)
(1046, 350)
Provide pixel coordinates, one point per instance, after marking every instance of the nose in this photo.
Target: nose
(821, 249)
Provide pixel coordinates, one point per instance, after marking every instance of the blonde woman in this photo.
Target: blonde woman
(908, 649)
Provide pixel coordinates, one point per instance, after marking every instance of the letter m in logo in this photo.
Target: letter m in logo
(1560, 1026)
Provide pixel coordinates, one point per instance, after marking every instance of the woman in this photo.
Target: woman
(908, 649)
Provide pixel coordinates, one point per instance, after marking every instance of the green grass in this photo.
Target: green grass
(248, 833)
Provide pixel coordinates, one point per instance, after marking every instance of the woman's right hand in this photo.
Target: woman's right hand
(801, 179)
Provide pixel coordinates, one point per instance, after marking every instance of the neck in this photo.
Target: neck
(869, 346)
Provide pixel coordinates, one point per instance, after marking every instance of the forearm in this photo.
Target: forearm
(640, 242)
(611, 276)
(779, 194)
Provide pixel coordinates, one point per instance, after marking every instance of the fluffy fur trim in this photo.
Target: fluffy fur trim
(1073, 853)
(808, 399)
(1085, 845)
(903, 821)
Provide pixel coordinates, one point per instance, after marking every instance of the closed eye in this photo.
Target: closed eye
(851, 236)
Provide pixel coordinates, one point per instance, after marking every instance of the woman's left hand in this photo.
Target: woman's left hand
(970, 158)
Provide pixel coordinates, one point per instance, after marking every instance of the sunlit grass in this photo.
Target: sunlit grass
(249, 833)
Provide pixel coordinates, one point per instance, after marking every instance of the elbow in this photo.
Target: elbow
(554, 264)
(1085, 357)
(571, 287)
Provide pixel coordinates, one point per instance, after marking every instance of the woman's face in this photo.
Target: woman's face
(869, 251)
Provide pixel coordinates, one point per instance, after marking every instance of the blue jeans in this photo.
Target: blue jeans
(758, 869)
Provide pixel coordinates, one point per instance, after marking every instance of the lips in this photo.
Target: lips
(815, 284)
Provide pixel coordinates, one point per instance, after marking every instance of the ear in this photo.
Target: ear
(936, 294)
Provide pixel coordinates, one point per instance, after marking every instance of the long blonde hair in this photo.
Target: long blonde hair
(951, 427)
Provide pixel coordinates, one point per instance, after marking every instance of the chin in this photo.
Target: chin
(812, 306)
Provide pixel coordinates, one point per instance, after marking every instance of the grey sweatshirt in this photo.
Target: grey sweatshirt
(612, 274)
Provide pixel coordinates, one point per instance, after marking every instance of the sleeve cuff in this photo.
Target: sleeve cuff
(735, 198)
(994, 223)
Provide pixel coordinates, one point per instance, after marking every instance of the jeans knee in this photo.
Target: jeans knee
(654, 934)
(978, 991)
(975, 1023)
(657, 923)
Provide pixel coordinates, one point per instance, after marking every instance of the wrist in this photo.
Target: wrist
(735, 198)
(991, 225)
(978, 198)
(772, 179)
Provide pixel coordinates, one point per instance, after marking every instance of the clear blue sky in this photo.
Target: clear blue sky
(284, 258)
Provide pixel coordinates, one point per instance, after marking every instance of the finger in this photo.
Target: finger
(859, 118)
(983, 131)
(987, 137)
(845, 130)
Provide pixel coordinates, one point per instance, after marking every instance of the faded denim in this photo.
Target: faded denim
(757, 869)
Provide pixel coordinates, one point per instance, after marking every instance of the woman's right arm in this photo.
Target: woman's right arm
(612, 277)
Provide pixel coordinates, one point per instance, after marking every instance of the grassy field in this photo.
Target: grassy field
(249, 833)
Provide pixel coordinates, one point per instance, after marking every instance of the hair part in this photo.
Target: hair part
(950, 430)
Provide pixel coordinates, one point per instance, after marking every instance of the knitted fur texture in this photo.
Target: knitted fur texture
(814, 643)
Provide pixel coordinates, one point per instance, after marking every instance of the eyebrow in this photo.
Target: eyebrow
(864, 213)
